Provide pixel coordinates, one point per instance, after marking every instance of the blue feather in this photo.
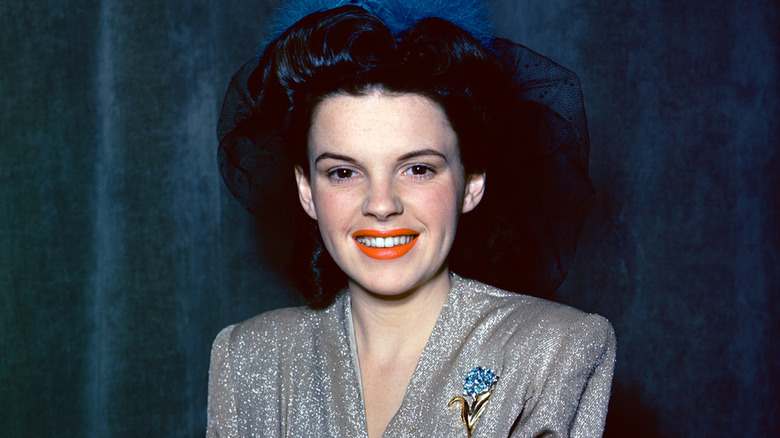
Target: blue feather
(398, 15)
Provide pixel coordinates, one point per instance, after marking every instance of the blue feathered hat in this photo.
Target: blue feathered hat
(472, 16)
(539, 228)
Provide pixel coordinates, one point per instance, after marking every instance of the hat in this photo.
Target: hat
(538, 193)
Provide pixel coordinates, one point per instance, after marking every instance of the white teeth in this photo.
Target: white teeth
(384, 242)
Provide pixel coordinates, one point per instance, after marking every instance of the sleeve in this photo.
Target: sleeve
(571, 391)
(222, 414)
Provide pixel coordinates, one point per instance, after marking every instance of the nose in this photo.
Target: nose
(382, 200)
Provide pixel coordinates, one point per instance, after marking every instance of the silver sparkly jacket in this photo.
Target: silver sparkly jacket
(292, 372)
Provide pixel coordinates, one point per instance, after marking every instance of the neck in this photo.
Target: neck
(388, 325)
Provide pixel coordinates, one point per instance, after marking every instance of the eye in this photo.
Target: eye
(419, 171)
(341, 174)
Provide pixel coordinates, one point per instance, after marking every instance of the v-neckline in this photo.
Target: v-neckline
(425, 352)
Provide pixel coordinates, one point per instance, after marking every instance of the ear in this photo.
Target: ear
(475, 189)
(304, 192)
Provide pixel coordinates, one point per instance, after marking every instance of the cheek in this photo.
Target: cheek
(334, 210)
(440, 203)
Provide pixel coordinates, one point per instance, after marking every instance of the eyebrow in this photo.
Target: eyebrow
(421, 153)
(413, 154)
(331, 155)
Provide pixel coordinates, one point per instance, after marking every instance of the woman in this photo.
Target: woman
(389, 134)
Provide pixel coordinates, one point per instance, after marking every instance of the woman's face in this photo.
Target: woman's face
(386, 188)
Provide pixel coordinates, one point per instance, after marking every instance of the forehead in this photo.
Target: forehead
(380, 120)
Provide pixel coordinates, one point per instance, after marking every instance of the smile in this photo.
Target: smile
(383, 242)
(385, 245)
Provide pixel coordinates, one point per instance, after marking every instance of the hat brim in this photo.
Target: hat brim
(538, 190)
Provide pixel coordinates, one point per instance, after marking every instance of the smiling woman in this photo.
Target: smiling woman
(391, 137)
(409, 183)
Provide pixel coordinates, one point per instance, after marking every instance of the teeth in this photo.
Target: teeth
(384, 242)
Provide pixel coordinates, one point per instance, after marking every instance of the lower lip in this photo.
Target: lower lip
(387, 253)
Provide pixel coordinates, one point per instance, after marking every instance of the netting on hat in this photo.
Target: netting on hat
(521, 237)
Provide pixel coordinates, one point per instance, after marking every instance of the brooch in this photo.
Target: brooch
(478, 385)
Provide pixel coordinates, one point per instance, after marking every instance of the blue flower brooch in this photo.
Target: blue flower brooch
(478, 385)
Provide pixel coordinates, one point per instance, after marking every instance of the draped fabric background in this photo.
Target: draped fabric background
(122, 255)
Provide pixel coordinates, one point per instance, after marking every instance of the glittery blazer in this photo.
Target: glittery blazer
(292, 372)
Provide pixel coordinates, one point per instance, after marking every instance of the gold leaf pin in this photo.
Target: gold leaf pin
(478, 385)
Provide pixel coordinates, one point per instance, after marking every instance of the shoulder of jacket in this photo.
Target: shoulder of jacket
(278, 322)
(545, 315)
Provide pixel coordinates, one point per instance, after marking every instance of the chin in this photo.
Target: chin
(386, 289)
(389, 286)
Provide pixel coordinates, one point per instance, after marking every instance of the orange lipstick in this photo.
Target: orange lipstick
(385, 245)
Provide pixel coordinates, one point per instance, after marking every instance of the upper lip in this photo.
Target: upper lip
(385, 233)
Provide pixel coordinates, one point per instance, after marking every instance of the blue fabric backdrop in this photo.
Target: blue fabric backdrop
(122, 255)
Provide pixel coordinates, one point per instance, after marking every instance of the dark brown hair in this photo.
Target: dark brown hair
(348, 50)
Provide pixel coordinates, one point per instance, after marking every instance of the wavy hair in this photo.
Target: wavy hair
(347, 50)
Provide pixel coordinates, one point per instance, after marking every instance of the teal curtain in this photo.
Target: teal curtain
(122, 255)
